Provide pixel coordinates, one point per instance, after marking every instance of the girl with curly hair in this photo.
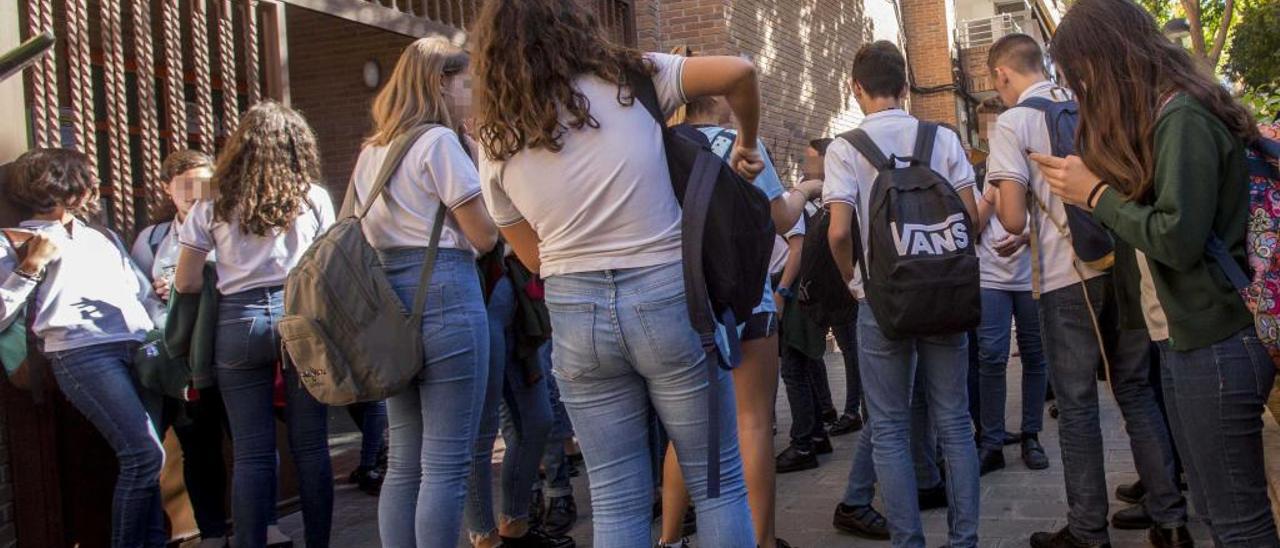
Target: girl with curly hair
(575, 174)
(268, 212)
(1162, 165)
(88, 307)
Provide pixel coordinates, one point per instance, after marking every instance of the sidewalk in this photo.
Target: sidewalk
(1015, 501)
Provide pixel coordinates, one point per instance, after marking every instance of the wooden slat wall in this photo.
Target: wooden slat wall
(128, 78)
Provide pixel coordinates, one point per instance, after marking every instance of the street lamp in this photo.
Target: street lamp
(1177, 31)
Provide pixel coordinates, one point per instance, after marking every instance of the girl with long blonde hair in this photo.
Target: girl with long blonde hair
(433, 423)
(268, 212)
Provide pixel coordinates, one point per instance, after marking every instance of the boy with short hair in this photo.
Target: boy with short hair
(889, 366)
(1069, 292)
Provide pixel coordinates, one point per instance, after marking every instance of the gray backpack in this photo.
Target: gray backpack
(345, 330)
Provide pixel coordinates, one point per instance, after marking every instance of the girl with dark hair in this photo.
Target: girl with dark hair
(268, 212)
(1162, 164)
(89, 307)
(575, 174)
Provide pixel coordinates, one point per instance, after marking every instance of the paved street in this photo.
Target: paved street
(1015, 501)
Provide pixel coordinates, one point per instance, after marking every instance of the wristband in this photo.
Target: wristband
(786, 293)
(1095, 193)
(37, 276)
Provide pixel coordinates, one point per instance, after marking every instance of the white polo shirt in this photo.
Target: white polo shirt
(1017, 130)
(850, 176)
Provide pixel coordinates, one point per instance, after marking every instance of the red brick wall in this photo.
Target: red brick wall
(326, 58)
(929, 52)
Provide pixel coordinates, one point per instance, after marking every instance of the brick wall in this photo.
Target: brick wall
(327, 55)
(802, 49)
(928, 25)
(7, 534)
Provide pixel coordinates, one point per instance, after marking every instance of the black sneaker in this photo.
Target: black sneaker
(779, 543)
(822, 446)
(990, 460)
(561, 516)
(1132, 518)
(368, 480)
(684, 543)
(846, 424)
(1033, 453)
(1131, 493)
(829, 416)
(795, 460)
(1170, 537)
(537, 538)
(933, 498)
(1062, 538)
(690, 525)
(862, 521)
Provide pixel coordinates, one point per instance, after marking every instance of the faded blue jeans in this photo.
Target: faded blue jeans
(1216, 397)
(888, 381)
(434, 422)
(246, 351)
(1071, 347)
(999, 309)
(98, 381)
(623, 340)
(524, 412)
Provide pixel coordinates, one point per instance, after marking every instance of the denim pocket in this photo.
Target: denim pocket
(232, 342)
(1260, 364)
(574, 325)
(435, 311)
(669, 331)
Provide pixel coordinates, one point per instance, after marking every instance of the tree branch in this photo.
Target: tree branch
(1192, 7)
(1220, 40)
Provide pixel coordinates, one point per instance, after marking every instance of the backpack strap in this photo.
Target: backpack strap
(429, 263)
(395, 155)
(158, 233)
(1217, 249)
(926, 135)
(642, 90)
(868, 148)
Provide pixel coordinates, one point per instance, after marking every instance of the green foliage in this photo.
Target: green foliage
(1162, 10)
(1254, 53)
(1264, 102)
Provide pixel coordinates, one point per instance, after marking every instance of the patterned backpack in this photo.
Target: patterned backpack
(1262, 241)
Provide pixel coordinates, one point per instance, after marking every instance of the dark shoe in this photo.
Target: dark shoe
(561, 516)
(1131, 493)
(829, 416)
(1170, 537)
(536, 509)
(537, 538)
(1033, 453)
(1132, 518)
(684, 543)
(846, 424)
(795, 460)
(1011, 438)
(933, 498)
(862, 521)
(368, 480)
(1062, 538)
(779, 543)
(822, 446)
(690, 525)
(990, 460)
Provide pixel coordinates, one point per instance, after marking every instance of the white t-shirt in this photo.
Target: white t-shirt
(850, 176)
(1152, 310)
(436, 169)
(246, 260)
(1012, 273)
(1017, 130)
(781, 249)
(604, 201)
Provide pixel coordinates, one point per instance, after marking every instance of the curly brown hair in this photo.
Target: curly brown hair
(45, 178)
(528, 55)
(266, 169)
(1120, 67)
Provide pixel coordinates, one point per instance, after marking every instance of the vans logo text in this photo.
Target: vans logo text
(935, 239)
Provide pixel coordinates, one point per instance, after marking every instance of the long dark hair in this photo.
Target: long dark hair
(528, 54)
(1121, 67)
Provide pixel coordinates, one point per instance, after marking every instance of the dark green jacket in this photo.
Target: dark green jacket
(191, 326)
(1200, 189)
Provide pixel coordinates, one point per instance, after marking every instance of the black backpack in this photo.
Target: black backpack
(921, 258)
(727, 235)
(1092, 243)
(820, 290)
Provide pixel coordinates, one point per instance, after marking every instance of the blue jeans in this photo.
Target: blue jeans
(97, 380)
(847, 340)
(1216, 397)
(371, 418)
(434, 422)
(999, 309)
(524, 411)
(888, 380)
(623, 340)
(246, 353)
(1071, 347)
(800, 379)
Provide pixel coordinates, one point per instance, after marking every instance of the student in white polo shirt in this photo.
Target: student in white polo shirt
(888, 366)
(268, 212)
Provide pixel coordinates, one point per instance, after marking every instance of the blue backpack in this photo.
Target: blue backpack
(1092, 243)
